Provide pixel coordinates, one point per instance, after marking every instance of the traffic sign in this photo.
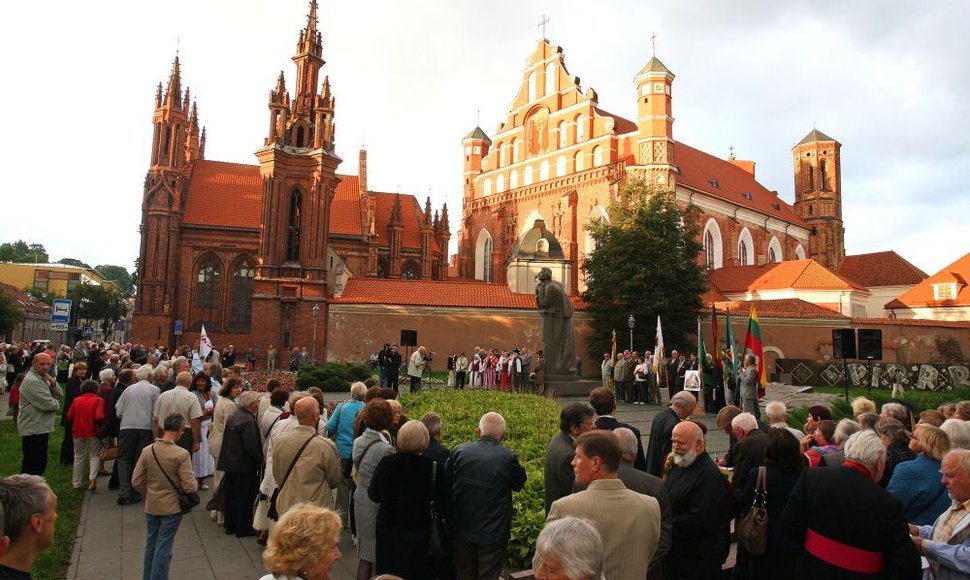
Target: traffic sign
(59, 326)
(61, 310)
(87, 331)
(178, 328)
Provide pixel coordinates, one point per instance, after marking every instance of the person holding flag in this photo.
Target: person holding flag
(729, 359)
(659, 358)
(753, 378)
(753, 344)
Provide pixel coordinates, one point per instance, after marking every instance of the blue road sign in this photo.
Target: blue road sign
(61, 310)
(178, 326)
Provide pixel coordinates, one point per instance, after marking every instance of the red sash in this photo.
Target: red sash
(843, 556)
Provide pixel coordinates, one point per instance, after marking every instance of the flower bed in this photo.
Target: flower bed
(531, 422)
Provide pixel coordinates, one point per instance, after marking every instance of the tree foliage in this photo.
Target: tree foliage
(644, 264)
(45, 296)
(118, 275)
(73, 262)
(24, 253)
(11, 315)
(103, 304)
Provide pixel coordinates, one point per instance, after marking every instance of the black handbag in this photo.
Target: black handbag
(439, 540)
(187, 501)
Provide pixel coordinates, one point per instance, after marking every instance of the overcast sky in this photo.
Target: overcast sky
(889, 80)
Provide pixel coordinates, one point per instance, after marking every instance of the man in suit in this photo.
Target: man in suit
(574, 420)
(850, 527)
(604, 403)
(619, 371)
(646, 484)
(659, 444)
(750, 449)
(628, 522)
(946, 543)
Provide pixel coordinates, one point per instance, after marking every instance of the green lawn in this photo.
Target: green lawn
(53, 562)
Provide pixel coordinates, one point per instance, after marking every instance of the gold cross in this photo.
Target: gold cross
(542, 24)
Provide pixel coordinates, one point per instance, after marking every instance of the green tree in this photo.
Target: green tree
(103, 304)
(119, 276)
(73, 262)
(10, 314)
(44, 296)
(22, 252)
(644, 264)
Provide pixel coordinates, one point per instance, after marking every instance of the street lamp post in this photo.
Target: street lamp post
(631, 322)
(316, 314)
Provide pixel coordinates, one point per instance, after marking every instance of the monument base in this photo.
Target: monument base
(569, 385)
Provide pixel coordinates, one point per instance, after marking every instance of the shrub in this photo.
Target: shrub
(330, 377)
(531, 422)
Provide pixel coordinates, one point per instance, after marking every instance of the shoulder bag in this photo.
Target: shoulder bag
(439, 541)
(752, 529)
(273, 513)
(187, 501)
(355, 473)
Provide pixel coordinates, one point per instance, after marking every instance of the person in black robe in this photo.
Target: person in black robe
(658, 446)
(71, 391)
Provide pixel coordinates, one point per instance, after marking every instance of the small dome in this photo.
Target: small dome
(538, 244)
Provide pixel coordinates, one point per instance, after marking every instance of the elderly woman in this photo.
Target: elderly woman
(225, 406)
(819, 443)
(862, 405)
(959, 433)
(917, 483)
(305, 545)
(568, 549)
(895, 438)
(203, 465)
(404, 484)
(369, 449)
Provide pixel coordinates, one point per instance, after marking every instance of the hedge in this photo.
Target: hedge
(531, 423)
(330, 377)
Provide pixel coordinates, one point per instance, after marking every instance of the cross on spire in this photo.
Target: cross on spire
(731, 152)
(653, 41)
(542, 24)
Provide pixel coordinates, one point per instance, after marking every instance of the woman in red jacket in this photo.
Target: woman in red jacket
(86, 412)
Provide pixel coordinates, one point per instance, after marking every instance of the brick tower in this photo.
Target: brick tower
(818, 196)
(655, 124)
(298, 166)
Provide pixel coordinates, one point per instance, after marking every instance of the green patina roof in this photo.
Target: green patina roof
(477, 133)
(654, 66)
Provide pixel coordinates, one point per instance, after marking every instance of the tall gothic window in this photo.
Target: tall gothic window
(293, 231)
(823, 176)
(488, 260)
(742, 253)
(241, 296)
(207, 289)
(709, 248)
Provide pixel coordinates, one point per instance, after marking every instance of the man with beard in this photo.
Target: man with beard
(658, 446)
(697, 493)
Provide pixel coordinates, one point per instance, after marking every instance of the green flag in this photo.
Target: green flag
(732, 361)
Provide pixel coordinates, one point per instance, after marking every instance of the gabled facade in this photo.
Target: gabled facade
(943, 296)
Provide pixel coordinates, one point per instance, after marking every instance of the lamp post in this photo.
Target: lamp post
(316, 314)
(631, 322)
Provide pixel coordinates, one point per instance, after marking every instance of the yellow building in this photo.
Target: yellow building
(55, 278)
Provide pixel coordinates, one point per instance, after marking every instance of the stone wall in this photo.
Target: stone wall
(920, 376)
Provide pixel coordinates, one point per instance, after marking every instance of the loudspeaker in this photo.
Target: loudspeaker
(409, 338)
(870, 343)
(843, 343)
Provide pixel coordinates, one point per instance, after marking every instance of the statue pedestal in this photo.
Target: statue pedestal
(570, 385)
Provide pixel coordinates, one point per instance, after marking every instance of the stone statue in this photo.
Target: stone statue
(556, 318)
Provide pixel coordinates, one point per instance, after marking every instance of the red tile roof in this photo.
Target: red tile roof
(345, 211)
(224, 194)
(921, 295)
(24, 300)
(697, 169)
(411, 214)
(454, 293)
(912, 322)
(620, 125)
(791, 274)
(880, 269)
(785, 308)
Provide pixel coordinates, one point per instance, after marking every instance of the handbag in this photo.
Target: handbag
(108, 453)
(354, 471)
(187, 501)
(752, 529)
(439, 540)
(273, 513)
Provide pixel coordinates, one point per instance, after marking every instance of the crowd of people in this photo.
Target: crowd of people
(864, 497)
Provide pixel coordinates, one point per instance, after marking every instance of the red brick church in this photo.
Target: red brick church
(250, 250)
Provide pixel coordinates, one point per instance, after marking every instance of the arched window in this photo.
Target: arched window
(528, 175)
(561, 166)
(483, 256)
(299, 136)
(544, 171)
(578, 161)
(597, 156)
(488, 186)
(533, 78)
(505, 154)
(713, 250)
(823, 177)
(745, 248)
(293, 230)
(580, 129)
(241, 295)
(799, 252)
(409, 271)
(500, 184)
(516, 150)
(561, 127)
(550, 78)
(542, 246)
(208, 286)
(774, 250)
(514, 179)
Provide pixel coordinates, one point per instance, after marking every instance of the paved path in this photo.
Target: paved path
(111, 538)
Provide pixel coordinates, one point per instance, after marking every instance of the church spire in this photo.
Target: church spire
(173, 92)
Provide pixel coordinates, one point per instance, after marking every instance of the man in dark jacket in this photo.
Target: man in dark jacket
(697, 494)
(574, 420)
(850, 527)
(603, 402)
(750, 449)
(240, 459)
(483, 475)
(659, 445)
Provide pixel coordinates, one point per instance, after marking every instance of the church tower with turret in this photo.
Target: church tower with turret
(818, 196)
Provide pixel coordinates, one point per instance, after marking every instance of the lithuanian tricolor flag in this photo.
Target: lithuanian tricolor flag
(753, 343)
